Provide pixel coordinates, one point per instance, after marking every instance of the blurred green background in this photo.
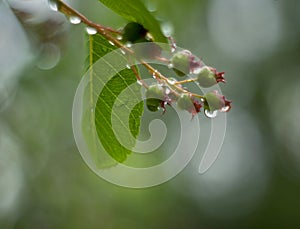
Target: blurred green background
(255, 183)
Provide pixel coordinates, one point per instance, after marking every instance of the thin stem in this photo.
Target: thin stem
(136, 73)
(104, 31)
(161, 76)
(162, 59)
(173, 43)
(197, 95)
(186, 81)
(69, 11)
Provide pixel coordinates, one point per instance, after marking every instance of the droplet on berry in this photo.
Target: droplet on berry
(215, 101)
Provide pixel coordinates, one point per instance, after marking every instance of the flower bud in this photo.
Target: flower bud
(215, 101)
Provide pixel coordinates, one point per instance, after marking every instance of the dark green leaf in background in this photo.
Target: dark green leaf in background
(134, 10)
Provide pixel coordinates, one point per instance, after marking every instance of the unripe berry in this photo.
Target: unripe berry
(206, 77)
(155, 91)
(134, 31)
(154, 96)
(185, 102)
(153, 104)
(215, 101)
(181, 62)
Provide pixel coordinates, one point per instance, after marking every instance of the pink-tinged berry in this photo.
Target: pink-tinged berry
(188, 103)
(184, 62)
(209, 76)
(215, 101)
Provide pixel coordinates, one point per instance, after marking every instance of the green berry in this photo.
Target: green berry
(185, 102)
(153, 104)
(155, 91)
(154, 96)
(214, 101)
(206, 78)
(134, 31)
(181, 62)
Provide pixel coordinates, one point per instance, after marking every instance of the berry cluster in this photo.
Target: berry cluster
(168, 90)
(158, 96)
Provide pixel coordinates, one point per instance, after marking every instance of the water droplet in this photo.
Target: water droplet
(128, 44)
(173, 49)
(49, 56)
(119, 37)
(170, 65)
(53, 5)
(225, 109)
(210, 114)
(91, 30)
(172, 81)
(139, 82)
(184, 90)
(167, 29)
(123, 52)
(196, 70)
(151, 6)
(167, 91)
(74, 20)
(154, 76)
(112, 43)
(128, 66)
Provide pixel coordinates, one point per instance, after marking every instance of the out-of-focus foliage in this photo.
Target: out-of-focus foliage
(255, 182)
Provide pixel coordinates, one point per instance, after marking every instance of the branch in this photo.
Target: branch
(106, 32)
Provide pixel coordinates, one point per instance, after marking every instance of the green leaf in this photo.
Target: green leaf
(126, 110)
(104, 115)
(134, 10)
